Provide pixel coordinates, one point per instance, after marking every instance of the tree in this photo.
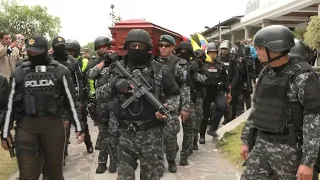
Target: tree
(312, 34)
(299, 33)
(22, 19)
(90, 46)
(114, 18)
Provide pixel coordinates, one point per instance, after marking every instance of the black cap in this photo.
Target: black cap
(58, 41)
(38, 44)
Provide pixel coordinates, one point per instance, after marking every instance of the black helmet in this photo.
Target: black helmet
(73, 45)
(201, 54)
(226, 44)
(275, 38)
(212, 47)
(300, 50)
(138, 35)
(185, 45)
(101, 40)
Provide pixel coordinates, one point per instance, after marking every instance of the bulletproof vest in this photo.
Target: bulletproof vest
(140, 109)
(41, 92)
(214, 74)
(171, 84)
(273, 110)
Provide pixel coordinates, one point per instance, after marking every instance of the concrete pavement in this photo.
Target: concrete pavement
(205, 164)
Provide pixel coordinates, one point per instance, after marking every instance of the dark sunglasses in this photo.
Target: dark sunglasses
(164, 45)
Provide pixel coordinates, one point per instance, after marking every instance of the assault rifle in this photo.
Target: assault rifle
(140, 88)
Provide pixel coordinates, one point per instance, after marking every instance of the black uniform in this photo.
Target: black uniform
(215, 86)
(40, 88)
(4, 95)
(60, 54)
(247, 74)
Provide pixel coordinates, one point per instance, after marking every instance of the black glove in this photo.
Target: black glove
(110, 58)
(122, 85)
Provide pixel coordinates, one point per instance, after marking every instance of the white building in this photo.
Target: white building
(260, 13)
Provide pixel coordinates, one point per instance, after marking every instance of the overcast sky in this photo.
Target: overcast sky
(84, 20)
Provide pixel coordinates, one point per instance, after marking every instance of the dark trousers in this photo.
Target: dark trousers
(219, 100)
(38, 140)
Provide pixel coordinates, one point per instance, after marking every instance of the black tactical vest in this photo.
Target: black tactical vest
(41, 92)
(171, 84)
(214, 74)
(273, 110)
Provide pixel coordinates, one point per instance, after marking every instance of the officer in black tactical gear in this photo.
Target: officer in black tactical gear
(140, 124)
(217, 91)
(285, 112)
(231, 66)
(4, 95)
(61, 55)
(247, 74)
(40, 88)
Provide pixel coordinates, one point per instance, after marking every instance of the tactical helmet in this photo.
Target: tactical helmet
(201, 54)
(100, 41)
(212, 47)
(138, 35)
(73, 45)
(300, 50)
(275, 38)
(185, 45)
(226, 44)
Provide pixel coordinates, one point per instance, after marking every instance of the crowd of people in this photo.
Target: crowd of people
(138, 102)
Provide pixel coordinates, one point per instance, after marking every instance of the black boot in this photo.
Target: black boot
(102, 167)
(195, 144)
(112, 167)
(183, 162)
(89, 148)
(172, 166)
(202, 140)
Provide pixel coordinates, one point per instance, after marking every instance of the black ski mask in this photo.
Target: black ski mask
(185, 55)
(59, 52)
(41, 59)
(137, 57)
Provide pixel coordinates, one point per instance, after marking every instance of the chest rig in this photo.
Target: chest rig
(41, 95)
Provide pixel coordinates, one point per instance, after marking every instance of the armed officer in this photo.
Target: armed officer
(185, 51)
(140, 123)
(40, 88)
(285, 112)
(233, 72)
(247, 74)
(61, 55)
(198, 93)
(217, 91)
(175, 71)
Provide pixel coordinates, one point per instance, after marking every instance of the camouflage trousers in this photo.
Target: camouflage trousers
(198, 113)
(103, 141)
(188, 134)
(272, 160)
(171, 130)
(145, 146)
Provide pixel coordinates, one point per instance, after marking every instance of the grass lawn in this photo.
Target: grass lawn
(8, 165)
(230, 144)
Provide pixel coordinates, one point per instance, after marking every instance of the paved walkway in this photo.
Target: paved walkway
(205, 164)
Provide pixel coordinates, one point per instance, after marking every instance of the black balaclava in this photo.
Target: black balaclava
(59, 52)
(41, 59)
(137, 57)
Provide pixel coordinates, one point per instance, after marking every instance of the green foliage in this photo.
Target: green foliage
(312, 34)
(90, 46)
(22, 19)
(230, 145)
(299, 33)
